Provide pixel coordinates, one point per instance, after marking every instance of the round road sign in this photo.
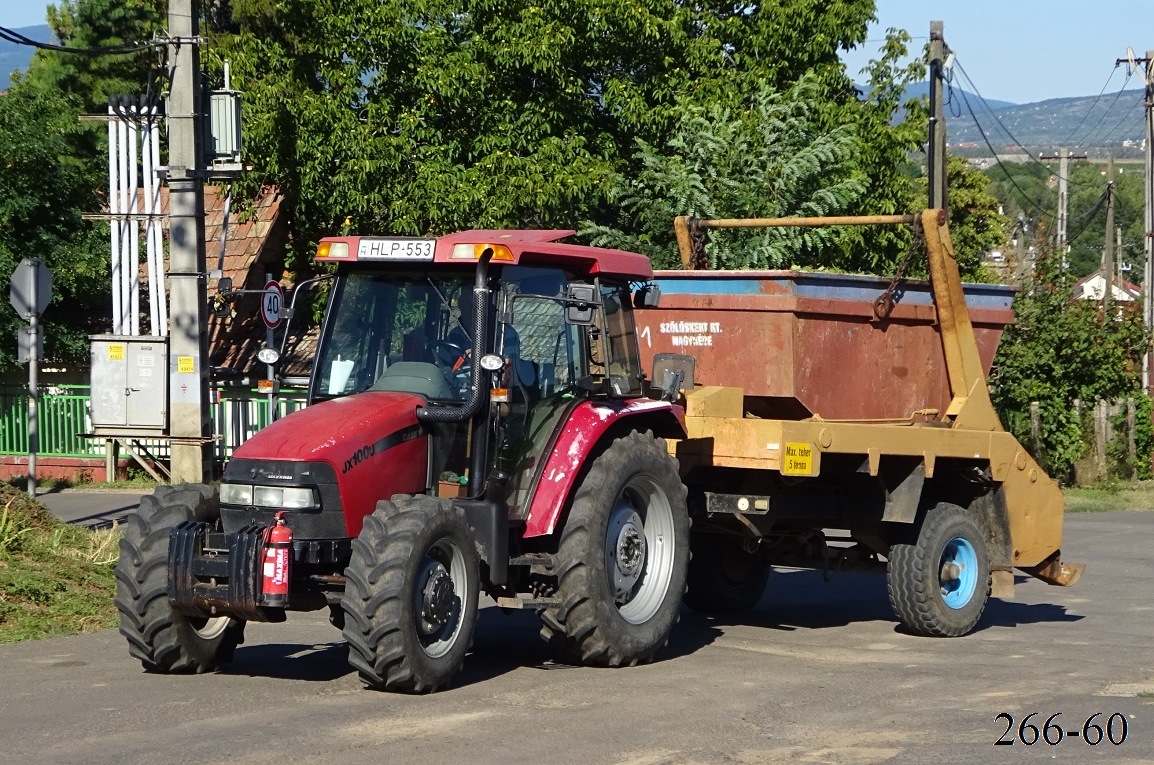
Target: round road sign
(271, 302)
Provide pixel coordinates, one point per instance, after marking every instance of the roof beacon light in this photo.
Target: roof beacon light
(475, 251)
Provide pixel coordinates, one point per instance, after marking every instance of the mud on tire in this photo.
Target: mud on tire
(164, 640)
(622, 557)
(410, 603)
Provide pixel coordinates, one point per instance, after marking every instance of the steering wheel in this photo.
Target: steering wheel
(446, 354)
(453, 361)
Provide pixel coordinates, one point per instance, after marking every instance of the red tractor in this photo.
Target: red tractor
(478, 421)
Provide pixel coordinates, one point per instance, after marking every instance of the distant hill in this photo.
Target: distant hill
(15, 58)
(923, 89)
(1083, 122)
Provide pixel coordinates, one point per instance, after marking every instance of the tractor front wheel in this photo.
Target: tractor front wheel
(622, 557)
(410, 603)
(163, 639)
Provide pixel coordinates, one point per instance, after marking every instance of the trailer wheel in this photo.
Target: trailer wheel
(163, 639)
(622, 557)
(723, 578)
(939, 585)
(410, 603)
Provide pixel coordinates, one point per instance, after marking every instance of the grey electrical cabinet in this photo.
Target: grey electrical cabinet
(129, 385)
(224, 138)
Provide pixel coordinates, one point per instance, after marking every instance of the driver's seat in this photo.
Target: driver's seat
(415, 377)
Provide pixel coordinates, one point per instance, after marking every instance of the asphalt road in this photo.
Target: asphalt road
(818, 673)
(89, 507)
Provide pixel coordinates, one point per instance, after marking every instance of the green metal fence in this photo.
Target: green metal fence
(63, 418)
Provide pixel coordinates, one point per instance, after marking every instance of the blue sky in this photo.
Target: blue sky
(1025, 50)
(1014, 50)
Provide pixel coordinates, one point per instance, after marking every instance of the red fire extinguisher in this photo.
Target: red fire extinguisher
(278, 546)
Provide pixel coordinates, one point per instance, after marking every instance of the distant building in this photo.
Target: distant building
(1092, 287)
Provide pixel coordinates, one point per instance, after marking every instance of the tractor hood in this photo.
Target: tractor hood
(343, 432)
(372, 447)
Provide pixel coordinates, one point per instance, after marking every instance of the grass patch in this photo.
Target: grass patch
(140, 482)
(1137, 495)
(55, 579)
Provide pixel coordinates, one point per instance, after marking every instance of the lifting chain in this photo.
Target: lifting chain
(698, 236)
(886, 301)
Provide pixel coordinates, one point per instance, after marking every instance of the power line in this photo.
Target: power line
(982, 132)
(1088, 216)
(1091, 109)
(997, 119)
(1122, 122)
(15, 37)
(1108, 110)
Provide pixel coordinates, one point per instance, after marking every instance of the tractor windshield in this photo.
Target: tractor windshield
(399, 332)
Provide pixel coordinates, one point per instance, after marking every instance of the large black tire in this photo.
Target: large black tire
(723, 578)
(164, 640)
(622, 557)
(410, 603)
(939, 585)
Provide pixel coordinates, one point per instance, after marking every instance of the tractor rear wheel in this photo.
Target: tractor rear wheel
(622, 557)
(724, 578)
(163, 639)
(410, 603)
(939, 585)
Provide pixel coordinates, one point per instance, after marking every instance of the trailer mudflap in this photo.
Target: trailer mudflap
(217, 582)
(1054, 571)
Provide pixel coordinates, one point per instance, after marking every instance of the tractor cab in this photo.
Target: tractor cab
(500, 334)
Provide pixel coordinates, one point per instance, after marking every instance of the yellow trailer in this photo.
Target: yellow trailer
(846, 423)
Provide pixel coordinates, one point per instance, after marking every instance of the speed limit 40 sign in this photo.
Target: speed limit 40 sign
(271, 304)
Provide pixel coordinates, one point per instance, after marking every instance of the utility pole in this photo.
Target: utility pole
(188, 344)
(1063, 202)
(1022, 269)
(1119, 261)
(937, 148)
(1148, 240)
(1061, 241)
(1108, 251)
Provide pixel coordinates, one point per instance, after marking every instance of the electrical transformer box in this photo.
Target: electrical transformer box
(129, 385)
(224, 131)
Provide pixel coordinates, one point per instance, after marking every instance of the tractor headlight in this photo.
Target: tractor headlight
(285, 498)
(235, 494)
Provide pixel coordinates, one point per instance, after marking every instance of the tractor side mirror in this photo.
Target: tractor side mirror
(647, 296)
(505, 300)
(579, 302)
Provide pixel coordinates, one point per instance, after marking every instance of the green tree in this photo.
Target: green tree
(766, 160)
(425, 116)
(53, 168)
(44, 188)
(1087, 228)
(976, 225)
(1060, 350)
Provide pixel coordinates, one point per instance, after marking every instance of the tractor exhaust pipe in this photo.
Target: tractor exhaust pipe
(477, 395)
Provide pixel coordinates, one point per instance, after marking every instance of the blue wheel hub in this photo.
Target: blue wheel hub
(958, 573)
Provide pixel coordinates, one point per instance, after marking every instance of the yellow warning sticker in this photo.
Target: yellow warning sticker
(116, 352)
(797, 459)
(185, 365)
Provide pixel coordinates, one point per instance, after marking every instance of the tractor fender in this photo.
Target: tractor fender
(579, 436)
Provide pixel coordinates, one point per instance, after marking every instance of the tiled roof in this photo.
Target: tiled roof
(254, 246)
